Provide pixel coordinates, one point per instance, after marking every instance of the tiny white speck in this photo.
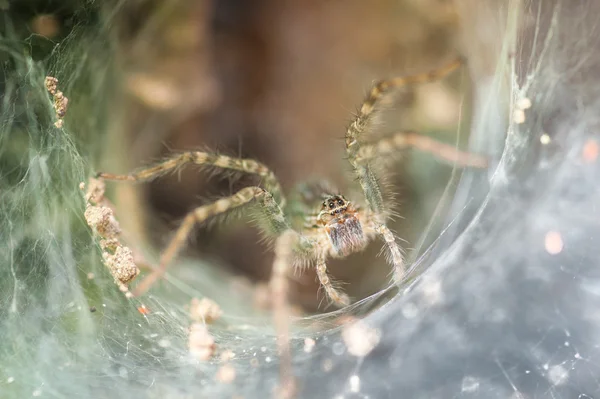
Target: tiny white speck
(577, 356)
(254, 354)
(338, 348)
(545, 139)
(10, 380)
(268, 359)
(164, 343)
(545, 366)
(103, 305)
(360, 338)
(354, 383)
(567, 343)
(527, 371)
(524, 103)
(37, 392)
(263, 348)
(309, 344)
(519, 116)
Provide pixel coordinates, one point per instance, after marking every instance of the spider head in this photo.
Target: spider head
(333, 206)
(342, 225)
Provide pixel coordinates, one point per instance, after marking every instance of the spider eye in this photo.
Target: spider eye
(341, 202)
(331, 205)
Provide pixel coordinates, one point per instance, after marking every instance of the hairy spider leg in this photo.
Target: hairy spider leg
(338, 297)
(410, 139)
(364, 173)
(359, 124)
(279, 285)
(272, 202)
(269, 180)
(202, 213)
(395, 251)
(271, 199)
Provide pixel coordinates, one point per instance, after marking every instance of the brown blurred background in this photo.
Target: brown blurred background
(277, 81)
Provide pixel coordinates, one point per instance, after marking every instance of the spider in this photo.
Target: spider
(320, 223)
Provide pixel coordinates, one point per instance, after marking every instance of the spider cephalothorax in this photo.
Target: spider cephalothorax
(342, 223)
(337, 228)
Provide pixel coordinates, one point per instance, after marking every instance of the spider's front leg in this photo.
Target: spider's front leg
(244, 196)
(361, 122)
(395, 252)
(338, 297)
(270, 198)
(359, 158)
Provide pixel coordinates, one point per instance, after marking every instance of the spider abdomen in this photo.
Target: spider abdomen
(346, 236)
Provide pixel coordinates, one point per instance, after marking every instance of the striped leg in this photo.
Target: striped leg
(279, 285)
(289, 245)
(339, 298)
(270, 182)
(395, 252)
(403, 140)
(198, 215)
(364, 173)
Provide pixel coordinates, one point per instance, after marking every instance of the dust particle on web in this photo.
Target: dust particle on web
(118, 258)
(60, 100)
(360, 339)
(225, 374)
(553, 242)
(590, 151)
(204, 310)
(101, 219)
(143, 310)
(518, 116)
(201, 343)
(227, 355)
(545, 139)
(309, 344)
(121, 264)
(524, 103)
